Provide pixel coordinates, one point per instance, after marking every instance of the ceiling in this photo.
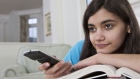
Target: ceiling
(134, 1)
(6, 6)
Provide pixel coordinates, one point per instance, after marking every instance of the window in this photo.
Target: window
(88, 1)
(32, 21)
(32, 29)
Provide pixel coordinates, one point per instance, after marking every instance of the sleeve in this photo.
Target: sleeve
(74, 53)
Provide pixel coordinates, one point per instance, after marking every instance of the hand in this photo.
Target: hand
(86, 62)
(58, 70)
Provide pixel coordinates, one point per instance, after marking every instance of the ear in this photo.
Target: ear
(128, 29)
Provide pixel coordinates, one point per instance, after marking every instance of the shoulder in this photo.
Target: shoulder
(77, 47)
(79, 43)
(74, 53)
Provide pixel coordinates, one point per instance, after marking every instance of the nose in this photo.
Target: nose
(99, 35)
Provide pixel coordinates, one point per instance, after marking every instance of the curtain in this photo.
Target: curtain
(24, 27)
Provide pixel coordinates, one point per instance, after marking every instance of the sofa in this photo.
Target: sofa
(26, 68)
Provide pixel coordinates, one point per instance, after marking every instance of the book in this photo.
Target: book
(102, 71)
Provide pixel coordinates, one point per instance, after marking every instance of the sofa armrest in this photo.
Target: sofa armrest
(14, 70)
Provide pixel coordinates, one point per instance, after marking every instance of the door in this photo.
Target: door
(1, 32)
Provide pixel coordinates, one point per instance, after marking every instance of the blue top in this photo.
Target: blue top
(74, 53)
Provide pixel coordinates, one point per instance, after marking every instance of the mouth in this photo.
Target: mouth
(101, 46)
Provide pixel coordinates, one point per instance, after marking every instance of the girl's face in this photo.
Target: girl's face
(107, 31)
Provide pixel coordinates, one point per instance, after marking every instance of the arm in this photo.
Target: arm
(63, 67)
(118, 60)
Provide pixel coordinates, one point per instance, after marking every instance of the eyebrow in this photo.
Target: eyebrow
(109, 20)
(105, 21)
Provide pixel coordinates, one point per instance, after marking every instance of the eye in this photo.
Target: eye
(91, 29)
(108, 26)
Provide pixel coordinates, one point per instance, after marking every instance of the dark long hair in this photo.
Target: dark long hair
(122, 9)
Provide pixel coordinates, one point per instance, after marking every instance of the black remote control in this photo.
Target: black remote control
(41, 57)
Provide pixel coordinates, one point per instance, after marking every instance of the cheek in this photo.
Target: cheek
(92, 38)
(117, 39)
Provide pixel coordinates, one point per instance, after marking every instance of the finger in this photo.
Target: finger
(68, 71)
(56, 67)
(44, 66)
(47, 76)
(62, 70)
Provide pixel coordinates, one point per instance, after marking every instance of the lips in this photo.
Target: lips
(101, 46)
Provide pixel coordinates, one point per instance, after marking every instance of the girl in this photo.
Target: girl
(111, 37)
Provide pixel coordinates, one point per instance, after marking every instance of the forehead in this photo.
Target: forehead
(102, 15)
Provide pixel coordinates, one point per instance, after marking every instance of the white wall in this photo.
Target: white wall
(73, 11)
(70, 21)
(66, 20)
(13, 29)
(3, 25)
(40, 27)
(46, 10)
(136, 9)
(57, 21)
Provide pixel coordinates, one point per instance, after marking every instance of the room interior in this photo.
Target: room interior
(58, 21)
(61, 21)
